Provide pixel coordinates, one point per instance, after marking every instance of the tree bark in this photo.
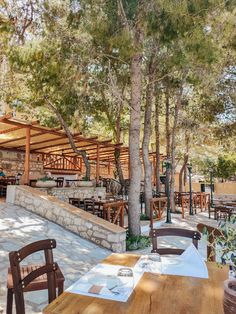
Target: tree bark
(134, 140)
(167, 103)
(158, 156)
(147, 136)
(82, 153)
(117, 149)
(173, 149)
(167, 122)
(183, 168)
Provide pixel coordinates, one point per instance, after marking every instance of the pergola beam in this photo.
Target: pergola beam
(79, 139)
(27, 155)
(50, 140)
(10, 130)
(19, 139)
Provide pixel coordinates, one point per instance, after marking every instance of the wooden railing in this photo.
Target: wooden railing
(56, 162)
(157, 207)
(114, 212)
(199, 200)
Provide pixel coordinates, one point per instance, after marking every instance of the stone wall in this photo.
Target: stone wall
(64, 194)
(71, 218)
(13, 163)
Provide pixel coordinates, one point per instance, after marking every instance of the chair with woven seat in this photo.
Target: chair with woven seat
(156, 233)
(28, 278)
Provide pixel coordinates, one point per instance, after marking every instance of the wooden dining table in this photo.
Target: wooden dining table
(154, 294)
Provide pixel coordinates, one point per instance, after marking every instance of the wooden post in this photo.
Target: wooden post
(129, 166)
(27, 155)
(109, 166)
(98, 164)
(154, 170)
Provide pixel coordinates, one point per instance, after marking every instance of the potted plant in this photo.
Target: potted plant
(85, 182)
(46, 182)
(225, 248)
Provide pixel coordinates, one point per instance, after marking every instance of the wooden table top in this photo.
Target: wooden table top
(154, 294)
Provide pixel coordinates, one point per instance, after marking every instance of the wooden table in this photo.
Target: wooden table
(154, 294)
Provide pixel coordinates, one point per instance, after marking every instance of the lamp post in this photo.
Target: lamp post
(167, 165)
(190, 189)
(211, 185)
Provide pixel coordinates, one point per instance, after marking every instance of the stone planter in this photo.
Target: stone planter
(46, 184)
(230, 296)
(84, 183)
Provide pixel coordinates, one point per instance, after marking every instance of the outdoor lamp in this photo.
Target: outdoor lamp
(167, 165)
(189, 166)
(211, 185)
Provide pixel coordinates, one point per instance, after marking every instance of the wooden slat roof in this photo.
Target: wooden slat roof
(46, 140)
(54, 141)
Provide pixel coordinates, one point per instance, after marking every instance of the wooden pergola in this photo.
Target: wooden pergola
(54, 147)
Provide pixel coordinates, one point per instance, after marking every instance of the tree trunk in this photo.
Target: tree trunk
(134, 127)
(146, 138)
(167, 122)
(173, 149)
(134, 140)
(183, 168)
(82, 153)
(181, 173)
(158, 156)
(117, 149)
(119, 167)
(167, 130)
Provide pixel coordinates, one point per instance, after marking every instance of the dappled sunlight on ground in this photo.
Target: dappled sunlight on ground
(75, 255)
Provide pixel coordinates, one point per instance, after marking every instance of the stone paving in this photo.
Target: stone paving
(75, 255)
(189, 222)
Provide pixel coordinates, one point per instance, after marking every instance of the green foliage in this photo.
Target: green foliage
(137, 242)
(226, 166)
(46, 178)
(225, 244)
(85, 179)
(223, 167)
(144, 217)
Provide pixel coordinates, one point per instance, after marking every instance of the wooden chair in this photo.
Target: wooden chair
(156, 233)
(74, 201)
(222, 212)
(11, 180)
(60, 182)
(33, 277)
(89, 205)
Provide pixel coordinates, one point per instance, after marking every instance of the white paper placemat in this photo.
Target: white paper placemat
(113, 287)
(190, 263)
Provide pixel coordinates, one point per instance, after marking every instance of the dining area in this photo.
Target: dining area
(5, 181)
(148, 292)
(168, 279)
(112, 209)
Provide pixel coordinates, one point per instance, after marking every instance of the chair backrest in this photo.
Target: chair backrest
(74, 201)
(156, 233)
(89, 203)
(20, 283)
(60, 182)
